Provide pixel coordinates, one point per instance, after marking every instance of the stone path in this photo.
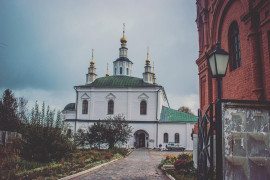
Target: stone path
(141, 164)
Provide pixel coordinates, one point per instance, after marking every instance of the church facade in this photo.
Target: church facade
(141, 101)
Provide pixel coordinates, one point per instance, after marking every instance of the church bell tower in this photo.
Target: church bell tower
(148, 76)
(91, 75)
(122, 65)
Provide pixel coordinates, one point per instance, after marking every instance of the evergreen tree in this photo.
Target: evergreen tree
(23, 110)
(9, 116)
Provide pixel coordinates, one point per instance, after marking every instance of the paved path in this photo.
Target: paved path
(139, 165)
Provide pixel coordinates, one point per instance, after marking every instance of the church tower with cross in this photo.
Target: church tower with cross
(91, 75)
(122, 65)
(148, 75)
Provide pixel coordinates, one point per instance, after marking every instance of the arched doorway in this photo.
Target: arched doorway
(141, 139)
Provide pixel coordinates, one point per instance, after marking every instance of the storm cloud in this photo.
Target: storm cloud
(45, 46)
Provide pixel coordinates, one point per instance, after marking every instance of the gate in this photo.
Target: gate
(205, 144)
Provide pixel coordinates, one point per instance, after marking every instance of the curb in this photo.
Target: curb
(169, 176)
(92, 169)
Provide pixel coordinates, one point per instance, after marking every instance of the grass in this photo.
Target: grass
(17, 168)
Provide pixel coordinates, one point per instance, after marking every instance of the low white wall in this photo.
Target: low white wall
(195, 149)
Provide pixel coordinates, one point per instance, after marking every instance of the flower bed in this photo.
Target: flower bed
(180, 167)
(16, 168)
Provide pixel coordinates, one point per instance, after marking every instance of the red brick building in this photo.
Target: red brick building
(243, 28)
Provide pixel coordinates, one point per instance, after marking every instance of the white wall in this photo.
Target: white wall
(184, 130)
(126, 102)
(69, 114)
(149, 128)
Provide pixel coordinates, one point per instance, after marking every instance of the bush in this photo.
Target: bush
(43, 137)
(121, 151)
(184, 164)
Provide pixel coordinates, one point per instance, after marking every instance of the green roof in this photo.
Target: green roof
(119, 81)
(173, 116)
(70, 107)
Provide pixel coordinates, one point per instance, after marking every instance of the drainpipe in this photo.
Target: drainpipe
(76, 109)
(157, 116)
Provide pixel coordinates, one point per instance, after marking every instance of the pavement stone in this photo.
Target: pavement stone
(141, 164)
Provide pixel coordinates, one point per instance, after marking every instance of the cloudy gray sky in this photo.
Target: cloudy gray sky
(45, 46)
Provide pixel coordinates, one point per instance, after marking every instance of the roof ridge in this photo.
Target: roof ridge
(172, 115)
(119, 81)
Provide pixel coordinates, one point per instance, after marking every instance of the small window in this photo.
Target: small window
(121, 69)
(143, 107)
(85, 107)
(165, 137)
(115, 71)
(203, 86)
(110, 107)
(176, 138)
(127, 71)
(234, 46)
(268, 37)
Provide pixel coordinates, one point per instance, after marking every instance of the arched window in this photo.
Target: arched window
(85, 107)
(143, 107)
(121, 69)
(234, 46)
(176, 138)
(165, 137)
(110, 107)
(127, 71)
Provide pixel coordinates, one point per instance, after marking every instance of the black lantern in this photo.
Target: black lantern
(218, 61)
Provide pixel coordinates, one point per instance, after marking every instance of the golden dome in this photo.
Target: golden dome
(123, 39)
(107, 74)
(147, 59)
(92, 61)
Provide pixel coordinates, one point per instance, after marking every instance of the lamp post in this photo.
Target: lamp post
(218, 61)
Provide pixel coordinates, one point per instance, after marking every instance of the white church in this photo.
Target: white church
(141, 101)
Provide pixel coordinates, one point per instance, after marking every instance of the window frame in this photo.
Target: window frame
(110, 109)
(165, 137)
(143, 111)
(121, 70)
(84, 109)
(175, 137)
(234, 46)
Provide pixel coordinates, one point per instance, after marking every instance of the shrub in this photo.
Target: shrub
(121, 151)
(44, 139)
(184, 164)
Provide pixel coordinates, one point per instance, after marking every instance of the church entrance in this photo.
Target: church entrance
(141, 139)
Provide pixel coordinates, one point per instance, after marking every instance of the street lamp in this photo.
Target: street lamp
(218, 61)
